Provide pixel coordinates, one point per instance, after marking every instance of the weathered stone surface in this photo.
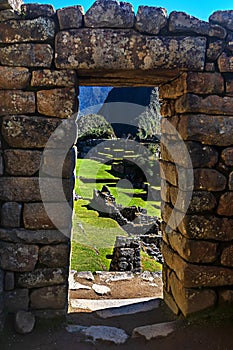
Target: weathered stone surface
(29, 55)
(11, 214)
(18, 257)
(170, 126)
(70, 17)
(208, 129)
(231, 181)
(150, 20)
(210, 105)
(197, 202)
(193, 82)
(209, 180)
(207, 227)
(105, 334)
(225, 18)
(109, 13)
(152, 331)
(24, 322)
(170, 302)
(225, 63)
(165, 191)
(54, 256)
(17, 102)
(16, 300)
(31, 11)
(1, 165)
(22, 162)
(2, 275)
(225, 296)
(15, 31)
(58, 78)
(59, 162)
(6, 15)
(88, 48)
(169, 172)
(87, 275)
(227, 156)
(10, 4)
(225, 206)
(41, 278)
(100, 289)
(187, 154)
(227, 256)
(214, 50)
(210, 67)
(50, 314)
(21, 235)
(57, 102)
(14, 78)
(193, 251)
(25, 132)
(229, 86)
(52, 297)
(191, 301)
(52, 215)
(9, 281)
(181, 22)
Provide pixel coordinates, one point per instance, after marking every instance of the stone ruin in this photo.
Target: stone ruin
(44, 55)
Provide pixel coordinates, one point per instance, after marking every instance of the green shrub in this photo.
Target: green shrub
(94, 126)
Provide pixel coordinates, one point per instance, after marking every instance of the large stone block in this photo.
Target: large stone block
(35, 30)
(227, 256)
(207, 227)
(61, 103)
(14, 78)
(53, 78)
(231, 181)
(225, 206)
(41, 278)
(22, 162)
(70, 17)
(29, 55)
(15, 300)
(225, 63)
(52, 297)
(190, 103)
(21, 235)
(227, 156)
(57, 162)
(168, 172)
(150, 20)
(17, 102)
(209, 180)
(54, 255)
(110, 14)
(10, 4)
(181, 22)
(207, 129)
(214, 50)
(11, 214)
(35, 10)
(225, 18)
(49, 216)
(18, 257)
(102, 49)
(193, 82)
(229, 86)
(9, 280)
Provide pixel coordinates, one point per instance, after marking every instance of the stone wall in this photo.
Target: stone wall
(41, 55)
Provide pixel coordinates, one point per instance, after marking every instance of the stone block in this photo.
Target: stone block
(14, 78)
(52, 297)
(207, 129)
(15, 300)
(168, 172)
(214, 50)
(191, 301)
(31, 11)
(210, 67)
(150, 20)
(86, 49)
(213, 104)
(29, 55)
(170, 302)
(59, 163)
(209, 180)
(6, 15)
(207, 227)
(229, 86)
(22, 162)
(225, 63)
(169, 126)
(53, 78)
(70, 17)
(18, 257)
(227, 156)
(231, 181)
(193, 82)
(11, 214)
(54, 256)
(225, 206)
(9, 281)
(165, 191)
(10, 4)
(21, 235)
(225, 296)
(1, 165)
(227, 256)
(181, 22)
(47, 216)
(17, 102)
(35, 30)
(167, 108)
(2, 274)
(24, 322)
(225, 18)
(110, 14)
(59, 103)
(41, 278)
(19, 189)
(192, 250)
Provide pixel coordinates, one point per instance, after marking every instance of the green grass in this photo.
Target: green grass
(149, 264)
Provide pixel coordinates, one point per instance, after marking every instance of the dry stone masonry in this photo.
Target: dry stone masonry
(43, 54)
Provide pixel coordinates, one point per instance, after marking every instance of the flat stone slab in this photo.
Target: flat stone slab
(87, 275)
(115, 276)
(101, 290)
(155, 330)
(76, 286)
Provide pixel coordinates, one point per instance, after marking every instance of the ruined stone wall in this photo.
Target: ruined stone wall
(41, 55)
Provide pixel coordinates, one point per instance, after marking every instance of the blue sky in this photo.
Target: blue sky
(198, 8)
